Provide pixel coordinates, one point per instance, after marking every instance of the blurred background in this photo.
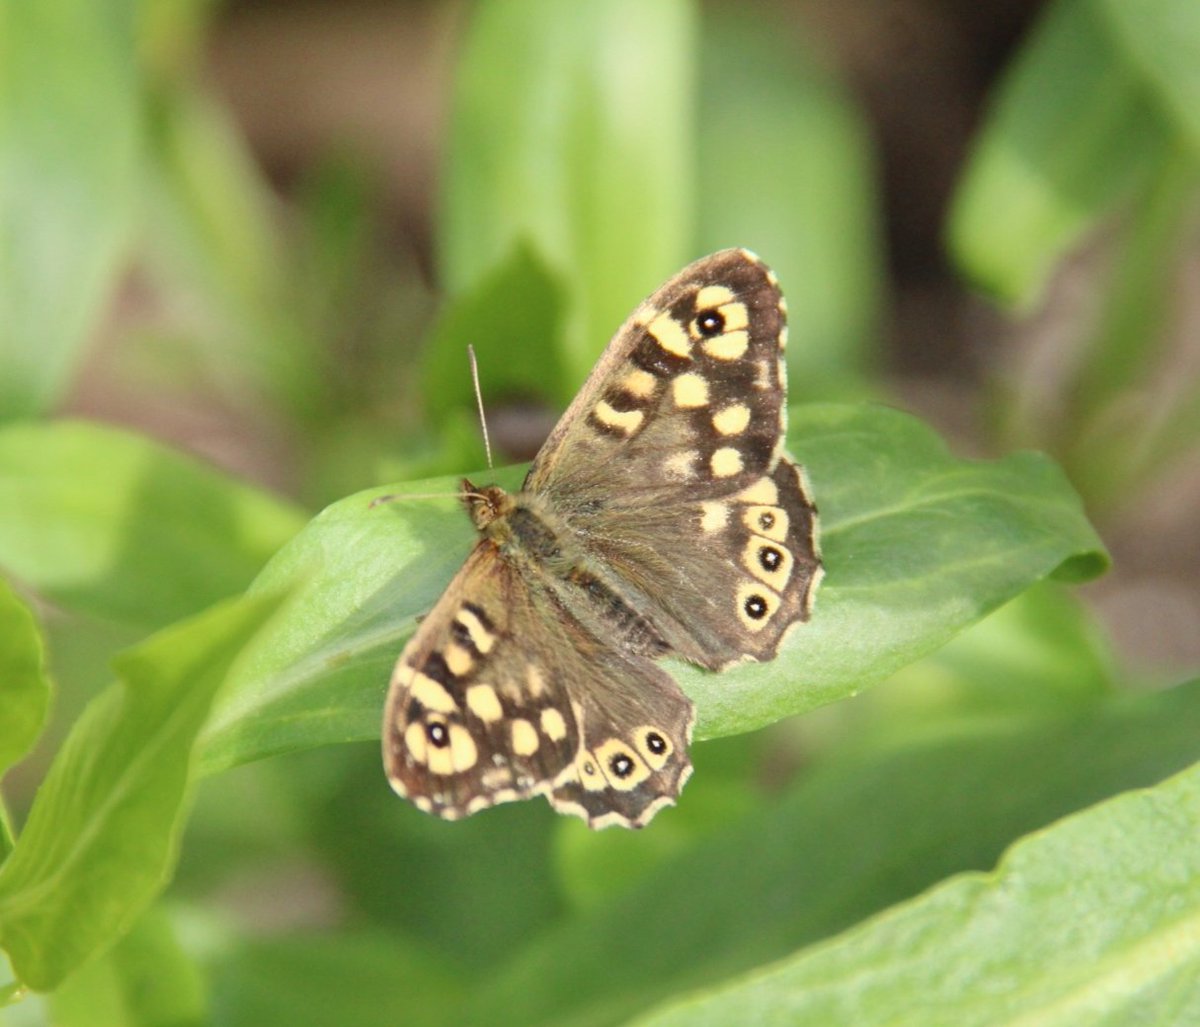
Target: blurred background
(275, 308)
(263, 233)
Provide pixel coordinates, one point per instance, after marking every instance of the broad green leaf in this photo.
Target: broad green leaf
(146, 980)
(1092, 921)
(850, 838)
(102, 835)
(24, 685)
(918, 545)
(1072, 131)
(572, 131)
(766, 105)
(512, 318)
(105, 522)
(1162, 41)
(69, 149)
(401, 870)
(360, 979)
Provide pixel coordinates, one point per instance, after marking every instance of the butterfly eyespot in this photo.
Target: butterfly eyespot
(710, 323)
(770, 558)
(621, 765)
(755, 607)
(588, 768)
(766, 521)
(437, 734)
(656, 743)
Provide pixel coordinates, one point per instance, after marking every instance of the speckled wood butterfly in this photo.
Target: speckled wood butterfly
(661, 517)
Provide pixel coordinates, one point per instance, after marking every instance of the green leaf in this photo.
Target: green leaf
(1091, 921)
(102, 835)
(1073, 131)
(765, 104)
(511, 316)
(360, 979)
(572, 131)
(918, 545)
(24, 685)
(851, 837)
(114, 525)
(146, 980)
(69, 142)
(1162, 41)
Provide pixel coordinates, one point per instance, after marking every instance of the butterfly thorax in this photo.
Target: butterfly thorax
(540, 544)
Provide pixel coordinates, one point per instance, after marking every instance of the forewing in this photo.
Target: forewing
(670, 460)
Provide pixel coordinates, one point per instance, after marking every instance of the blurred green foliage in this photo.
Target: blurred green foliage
(168, 872)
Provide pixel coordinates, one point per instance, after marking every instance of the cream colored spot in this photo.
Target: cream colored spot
(783, 306)
(623, 767)
(432, 694)
(690, 391)
(481, 638)
(714, 515)
(627, 421)
(524, 737)
(496, 777)
(483, 701)
(463, 752)
(782, 375)
(537, 683)
(403, 674)
(771, 521)
(670, 335)
(589, 772)
(770, 563)
(730, 346)
(511, 691)
(733, 420)
(458, 659)
(736, 316)
(763, 491)
(726, 462)
(681, 466)
(415, 741)
(553, 725)
(756, 605)
(422, 803)
(654, 745)
(713, 296)
(639, 384)
(764, 380)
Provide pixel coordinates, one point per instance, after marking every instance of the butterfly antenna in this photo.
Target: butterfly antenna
(487, 445)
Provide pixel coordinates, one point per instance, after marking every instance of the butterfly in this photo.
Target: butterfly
(660, 518)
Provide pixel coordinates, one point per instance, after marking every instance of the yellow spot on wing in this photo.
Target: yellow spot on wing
(726, 462)
(537, 683)
(639, 384)
(690, 391)
(484, 703)
(458, 659)
(524, 737)
(627, 421)
(481, 638)
(733, 420)
(714, 515)
(713, 296)
(553, 725)
(763, 491)
(463, 752)
(432, 694)
(415, 741)
(730, 346)
(670, 335)
(736, 316)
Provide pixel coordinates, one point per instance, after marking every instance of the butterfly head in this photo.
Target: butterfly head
(485, 504)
